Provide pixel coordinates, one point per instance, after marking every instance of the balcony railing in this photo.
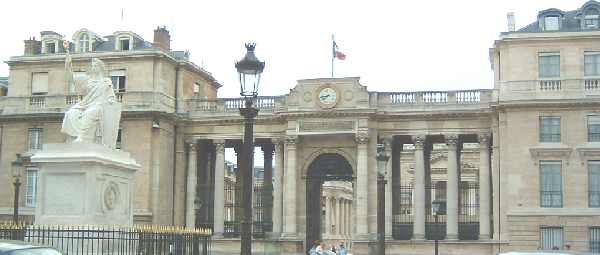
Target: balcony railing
(264, 104)
(132, 101)
(434, 97)
(549, 89)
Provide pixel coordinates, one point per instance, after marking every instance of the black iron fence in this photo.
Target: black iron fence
(435, 228)
(261, 208)
(122, 240)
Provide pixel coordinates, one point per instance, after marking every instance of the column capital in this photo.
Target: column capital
(291, 140)
(451, 141)
(362, 138)
(219, 146)
(192, 146)
(418, 141)
(484, 139)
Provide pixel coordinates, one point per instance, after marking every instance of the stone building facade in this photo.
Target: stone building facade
(514, 167)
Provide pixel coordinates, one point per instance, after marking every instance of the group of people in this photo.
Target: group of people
(319, 248)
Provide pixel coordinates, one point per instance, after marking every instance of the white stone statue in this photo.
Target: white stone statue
(94, 119)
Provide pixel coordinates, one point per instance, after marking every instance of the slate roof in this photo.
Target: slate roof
(570, 22)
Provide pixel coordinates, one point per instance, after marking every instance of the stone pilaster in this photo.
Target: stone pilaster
(327, 225)
(278, 188)
(419, 189)
(452, 188)
(362, 164)
(289, 211)
(219, 204)
(192, 181)
(484, 187)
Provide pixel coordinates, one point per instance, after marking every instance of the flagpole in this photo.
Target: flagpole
(332, 53)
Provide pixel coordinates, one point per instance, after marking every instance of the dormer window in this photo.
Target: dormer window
(551, 23)
(124, 43)
(591, 18)
(84, 43)
(50, 47)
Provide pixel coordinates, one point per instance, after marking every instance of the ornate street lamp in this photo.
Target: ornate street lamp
(249, 70)
(382, 159)
(436, 207)
(16, 173)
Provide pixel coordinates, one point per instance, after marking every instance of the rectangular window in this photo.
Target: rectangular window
(34, 138)
(39, 84)
(196, 87)
(124, 44)
(594, 184)
(549, 65)
(550, 184)
(119, 139)
(593, 126)
(50, 47)
(551, 238)
(595, 239)
(31, 187)
(549, 129)
(551, 23)
(118, 80)
(591, 21)
(591, 64)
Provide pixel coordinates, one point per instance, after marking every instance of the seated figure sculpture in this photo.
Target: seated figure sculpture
(94, 119)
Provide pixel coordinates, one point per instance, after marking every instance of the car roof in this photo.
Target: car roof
(550, 252)
(9, 245)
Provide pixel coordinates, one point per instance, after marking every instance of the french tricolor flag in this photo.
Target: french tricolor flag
(336, 53)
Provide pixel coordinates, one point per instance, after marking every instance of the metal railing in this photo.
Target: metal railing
(122, 240)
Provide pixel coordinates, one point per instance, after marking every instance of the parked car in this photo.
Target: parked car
(12, 247)
(553, 252)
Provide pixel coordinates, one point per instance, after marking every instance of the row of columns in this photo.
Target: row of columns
(284, 187)
(452, 188)
(337, 216)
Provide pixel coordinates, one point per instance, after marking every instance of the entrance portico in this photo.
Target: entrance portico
(296, 129)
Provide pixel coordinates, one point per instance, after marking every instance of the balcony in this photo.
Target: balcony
(549, 89)
(230, 106)
(132, 101)
(459, 100)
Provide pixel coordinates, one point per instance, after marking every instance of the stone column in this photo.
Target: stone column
(327, 216)
(278, 188)
(452, 188)
(190, 212)
(388, 189)
(484, 187)
(289, 211)
(219, 204)
(419, 189)
(267, 194)
(362, 164)
(338, 216)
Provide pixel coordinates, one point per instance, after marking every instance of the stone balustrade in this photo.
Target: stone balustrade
(132, 101)
(549, 89)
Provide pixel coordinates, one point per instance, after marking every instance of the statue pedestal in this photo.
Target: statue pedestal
(84, 183)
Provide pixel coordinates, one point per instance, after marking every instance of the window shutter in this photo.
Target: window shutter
(39, 83)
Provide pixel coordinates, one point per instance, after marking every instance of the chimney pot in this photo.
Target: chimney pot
(510, 17)
(162, 39)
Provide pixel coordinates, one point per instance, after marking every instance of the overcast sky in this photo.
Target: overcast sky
(391, 45)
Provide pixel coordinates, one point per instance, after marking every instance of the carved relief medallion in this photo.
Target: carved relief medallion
(110, 196)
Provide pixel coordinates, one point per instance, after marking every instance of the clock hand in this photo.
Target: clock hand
(324, 96)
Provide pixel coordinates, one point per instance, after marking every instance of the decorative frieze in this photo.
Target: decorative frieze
(327, 125)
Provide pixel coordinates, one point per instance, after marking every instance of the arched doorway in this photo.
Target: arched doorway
(326, 167)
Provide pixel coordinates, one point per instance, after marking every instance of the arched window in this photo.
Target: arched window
(84, 43)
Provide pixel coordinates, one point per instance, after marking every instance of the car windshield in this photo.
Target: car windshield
(34, 251)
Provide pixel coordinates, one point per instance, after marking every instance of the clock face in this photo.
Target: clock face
(328, 96)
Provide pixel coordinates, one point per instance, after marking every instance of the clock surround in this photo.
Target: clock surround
(327, 96)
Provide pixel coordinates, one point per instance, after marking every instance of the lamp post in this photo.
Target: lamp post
(249, 70)
(16, 173)
(436, 210)
(382, 159)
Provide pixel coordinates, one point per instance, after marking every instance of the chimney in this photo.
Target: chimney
(162, 39)
(32, 47)
(510, 17)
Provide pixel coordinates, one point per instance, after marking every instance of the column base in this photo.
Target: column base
(484, 237)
